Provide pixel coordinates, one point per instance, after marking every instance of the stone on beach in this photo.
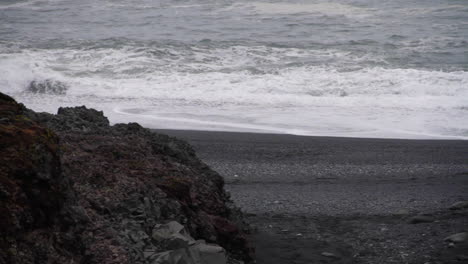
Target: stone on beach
(329, 255)
(169, 230)
(183, 248)
(211, 253)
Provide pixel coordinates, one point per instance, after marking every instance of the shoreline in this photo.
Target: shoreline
(170, 123)
(183, 132)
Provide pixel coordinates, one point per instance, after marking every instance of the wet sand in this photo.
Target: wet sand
(343, 200)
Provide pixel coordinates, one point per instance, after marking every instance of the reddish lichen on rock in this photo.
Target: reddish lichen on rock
(32, 190)
(74, 189)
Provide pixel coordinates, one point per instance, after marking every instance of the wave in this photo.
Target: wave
(27, 4)
(324, 8)
(154, 71)
(261, 88)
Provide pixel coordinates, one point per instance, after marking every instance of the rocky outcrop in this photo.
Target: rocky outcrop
(33, 192)
(109, 194)
(47, 86)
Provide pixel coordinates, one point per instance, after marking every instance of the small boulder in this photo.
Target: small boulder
(180, 256)
(173, 234)
(329, 255)
(47, 86)
(211, 254)
(195, 254)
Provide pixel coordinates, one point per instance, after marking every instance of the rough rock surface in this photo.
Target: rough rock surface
(33, 192)
(47, 86)
(103, 192)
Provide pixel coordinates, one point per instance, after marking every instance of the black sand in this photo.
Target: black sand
(309, 196)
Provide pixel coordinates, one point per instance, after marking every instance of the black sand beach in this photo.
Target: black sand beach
(343, 200)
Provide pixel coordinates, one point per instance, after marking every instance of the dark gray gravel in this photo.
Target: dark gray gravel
(346, 196)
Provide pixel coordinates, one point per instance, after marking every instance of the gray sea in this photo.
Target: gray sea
(355, 68)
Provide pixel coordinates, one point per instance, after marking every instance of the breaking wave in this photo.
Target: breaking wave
(217, 85)
(333, 68)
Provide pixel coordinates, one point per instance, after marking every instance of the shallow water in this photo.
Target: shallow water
(357, 68)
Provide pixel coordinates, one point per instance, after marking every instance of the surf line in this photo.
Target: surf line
(240, 126)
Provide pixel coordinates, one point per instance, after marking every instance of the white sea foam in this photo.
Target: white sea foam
(248, 89)
(15, 4)
(28, 4)
(431, 10)
(322, 8)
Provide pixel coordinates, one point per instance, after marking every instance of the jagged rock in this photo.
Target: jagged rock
(76, 119)
(173, 235)
(126, 180)
(36, 205)
(199, 253)
(211, 254)
(183, 246)
(169, 230)
(47, 86)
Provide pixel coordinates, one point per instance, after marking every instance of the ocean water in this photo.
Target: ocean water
(354, 68)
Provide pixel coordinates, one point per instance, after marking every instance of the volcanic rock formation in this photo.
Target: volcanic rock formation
(74, 189)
